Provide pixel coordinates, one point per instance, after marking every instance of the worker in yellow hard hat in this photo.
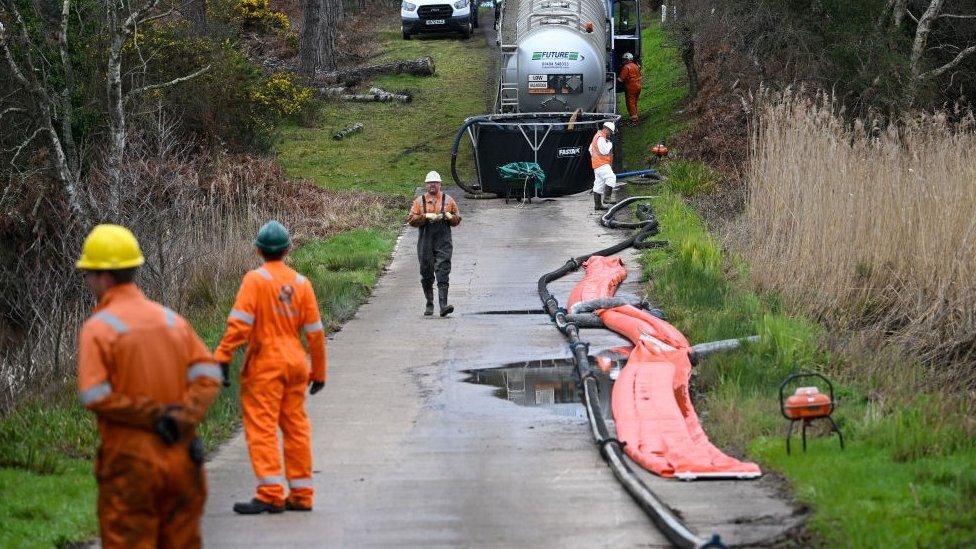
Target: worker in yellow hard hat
(149, 379)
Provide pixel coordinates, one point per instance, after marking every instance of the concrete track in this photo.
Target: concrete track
(406, 454)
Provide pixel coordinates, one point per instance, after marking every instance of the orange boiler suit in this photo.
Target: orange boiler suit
(137, 360)
(630, 76)
(274, 306)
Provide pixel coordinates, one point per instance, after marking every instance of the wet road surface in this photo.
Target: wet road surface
(408, 454)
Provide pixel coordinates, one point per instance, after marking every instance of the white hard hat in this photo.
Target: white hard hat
(610, 126)
(433, 176)
(629, 56)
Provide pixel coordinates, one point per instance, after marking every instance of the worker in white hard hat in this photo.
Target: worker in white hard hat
(434, 213)
(630, 79)
(601, 158)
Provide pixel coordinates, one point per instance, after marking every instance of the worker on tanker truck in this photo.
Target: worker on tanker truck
(630, 78)
(274, 306)
(601, 158)
(149, 379)
(434, 213)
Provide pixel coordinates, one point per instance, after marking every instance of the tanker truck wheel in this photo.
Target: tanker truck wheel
(406, 35)
(466, 33)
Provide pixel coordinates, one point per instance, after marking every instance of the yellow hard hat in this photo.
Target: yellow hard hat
(110, 248)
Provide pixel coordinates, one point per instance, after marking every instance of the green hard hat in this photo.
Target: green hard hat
(272, 238)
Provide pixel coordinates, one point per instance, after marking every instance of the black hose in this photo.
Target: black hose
(610, 448)
(472, 190)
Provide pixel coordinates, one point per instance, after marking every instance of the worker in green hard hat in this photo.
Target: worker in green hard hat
(274, 306)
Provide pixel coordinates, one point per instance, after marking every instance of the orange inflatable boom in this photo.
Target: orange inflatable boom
(650, 401)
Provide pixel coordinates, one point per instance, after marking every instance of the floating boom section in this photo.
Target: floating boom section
(651, 403)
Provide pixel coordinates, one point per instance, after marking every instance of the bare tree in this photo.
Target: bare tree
(48, 111)
(123, 18)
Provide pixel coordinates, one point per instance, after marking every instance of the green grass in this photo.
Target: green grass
(663, 91)
(344, 269)
(400, 142)
(47, 510)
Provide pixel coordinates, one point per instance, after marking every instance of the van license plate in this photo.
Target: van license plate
(435, 21)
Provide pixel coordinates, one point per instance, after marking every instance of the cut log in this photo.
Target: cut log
(417, 67)
(332, 92)
(346, 132)
(377, 95)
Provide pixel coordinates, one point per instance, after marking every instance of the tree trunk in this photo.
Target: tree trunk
(308, 46)
(197, 14)
(116, 115)
(332, 11)
(688, 56)
(417, 67)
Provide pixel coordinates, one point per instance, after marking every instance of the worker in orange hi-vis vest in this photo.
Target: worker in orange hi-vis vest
(601, 158)
(630, 77)
(149, 379)
(274, 306)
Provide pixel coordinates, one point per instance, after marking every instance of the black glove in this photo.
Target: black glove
(197, 452)
(225, 372)
(167, 428)
(315, 386)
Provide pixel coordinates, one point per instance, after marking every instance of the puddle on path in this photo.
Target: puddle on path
(550, 384)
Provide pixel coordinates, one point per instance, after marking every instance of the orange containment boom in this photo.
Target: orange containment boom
(651, 404)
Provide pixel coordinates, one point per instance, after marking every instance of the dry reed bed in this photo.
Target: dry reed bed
(195, 218)
(866, 228)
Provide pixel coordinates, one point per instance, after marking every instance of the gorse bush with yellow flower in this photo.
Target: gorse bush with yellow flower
(282, 96)
(257, 14)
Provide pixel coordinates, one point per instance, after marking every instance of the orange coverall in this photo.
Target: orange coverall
(274, 306)
(137, 358)
(630, 76)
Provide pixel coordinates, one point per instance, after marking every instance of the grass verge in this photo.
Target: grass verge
(906, 476)
(400, 142)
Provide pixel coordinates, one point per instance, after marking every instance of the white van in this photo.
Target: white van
(422, 16)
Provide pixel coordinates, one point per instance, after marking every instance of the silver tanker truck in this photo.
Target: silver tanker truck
(556, 84)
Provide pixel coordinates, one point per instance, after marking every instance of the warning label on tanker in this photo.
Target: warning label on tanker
(555, 83)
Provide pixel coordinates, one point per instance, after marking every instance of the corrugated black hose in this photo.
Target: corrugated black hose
(611, 449)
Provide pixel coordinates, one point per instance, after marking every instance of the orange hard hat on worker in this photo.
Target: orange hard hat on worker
(274, 306)
(138, 363)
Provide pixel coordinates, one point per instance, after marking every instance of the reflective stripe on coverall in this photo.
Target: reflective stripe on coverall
(603, 175)
(434, 245)
(274, 306)
(630, 75)
(137, 358)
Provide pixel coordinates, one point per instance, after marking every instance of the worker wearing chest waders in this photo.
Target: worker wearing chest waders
(149, 379)
(274, 306)
(630, 77)
(434, 213)
(601, 158)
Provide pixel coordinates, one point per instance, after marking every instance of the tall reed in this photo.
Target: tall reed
(869, 227)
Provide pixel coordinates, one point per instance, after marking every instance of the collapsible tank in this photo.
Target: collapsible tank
(556, 87)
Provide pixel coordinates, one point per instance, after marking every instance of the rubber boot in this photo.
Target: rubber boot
(598, 202)
(429, 294)
(608, 196)
(442, 298)
(292, 506)
(256, 507)
(615, 195)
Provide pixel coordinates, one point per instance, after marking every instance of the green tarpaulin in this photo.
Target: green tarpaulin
(523, 173)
